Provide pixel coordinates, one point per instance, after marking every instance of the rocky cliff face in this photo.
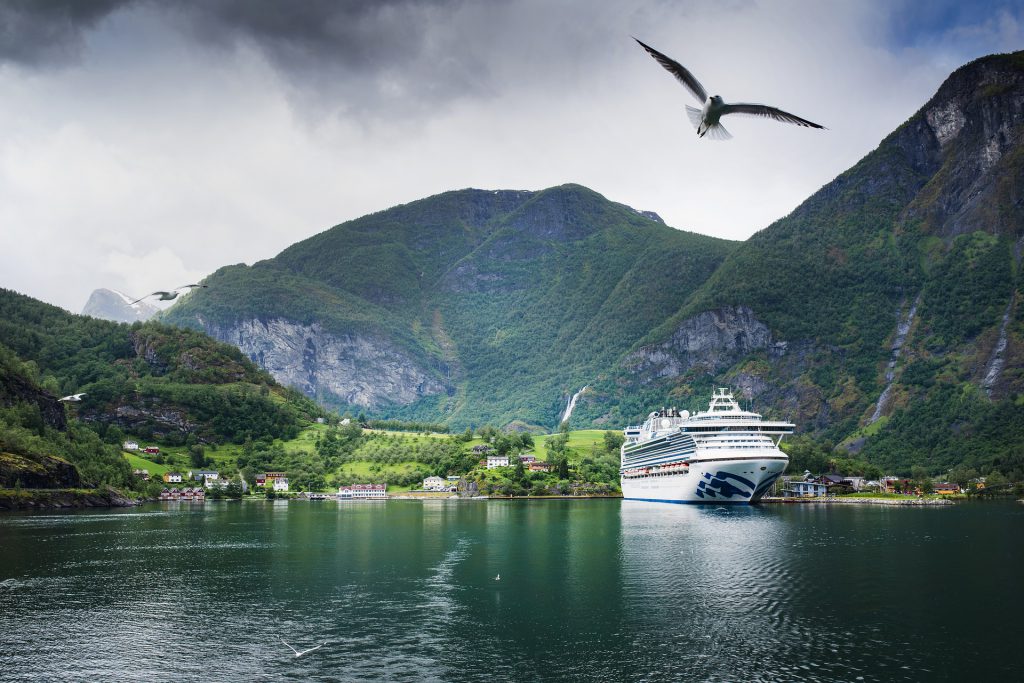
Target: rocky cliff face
(711, 341)
(358, 369)
(16, 389)
(37, 471)
(107, 304)
(973, 125)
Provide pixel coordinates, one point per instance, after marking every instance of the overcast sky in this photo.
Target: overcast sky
(144, 144)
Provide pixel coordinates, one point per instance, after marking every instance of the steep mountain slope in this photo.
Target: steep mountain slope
(890, 292)
(472, 306)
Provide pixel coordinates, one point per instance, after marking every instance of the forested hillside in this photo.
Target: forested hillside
(147, 379)
(470, 307)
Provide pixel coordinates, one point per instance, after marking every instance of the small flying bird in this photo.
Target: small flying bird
(167, 296)
(72, 398)
(498, 577)
(297, 652)
(706, 120)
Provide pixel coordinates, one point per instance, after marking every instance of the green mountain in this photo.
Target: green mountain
(470, 307)
(146, 379)
(881, 315)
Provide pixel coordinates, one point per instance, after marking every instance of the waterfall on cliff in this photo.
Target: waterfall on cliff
(571, 405)
(902, 329)
(996, 362)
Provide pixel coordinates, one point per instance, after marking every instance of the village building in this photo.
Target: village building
(483, 448)
(539, 466)
(280, 484)
(527, 458)
(205, 475)
(434, 484)
(172, 477)
(152, 450)
(144, 474)
(946, 489)
(496, 460)
(363, 491)
(130, 446)
(165, 494)
(261, 480)
(270, 476)
(804, 489)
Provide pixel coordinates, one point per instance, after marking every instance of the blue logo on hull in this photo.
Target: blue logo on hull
(719, 486)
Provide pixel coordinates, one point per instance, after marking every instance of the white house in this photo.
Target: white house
(363, 491)
(280, 484)
(495, 460)
(434, 484)
(130, 446)
(206, 475)
(172, 477)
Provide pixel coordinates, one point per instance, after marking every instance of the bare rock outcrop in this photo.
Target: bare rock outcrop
(360, 369)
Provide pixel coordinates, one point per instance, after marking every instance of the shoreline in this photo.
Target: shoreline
(858, 501)
(13, 500)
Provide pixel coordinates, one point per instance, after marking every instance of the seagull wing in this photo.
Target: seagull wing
(297, 653)
(767, 112)
(144, 297)
(681, 73)
(189, 287)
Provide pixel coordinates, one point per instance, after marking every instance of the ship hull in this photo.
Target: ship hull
(737, 481)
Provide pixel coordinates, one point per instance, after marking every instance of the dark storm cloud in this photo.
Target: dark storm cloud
(371, 51)
(48, 31)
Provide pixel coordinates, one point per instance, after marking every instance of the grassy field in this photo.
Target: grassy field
(580, 443)
(140, 463)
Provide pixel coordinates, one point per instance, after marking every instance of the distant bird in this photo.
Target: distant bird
(167, 296)
(297, 652)
(498, 577)
(706, 120)
(73, 398)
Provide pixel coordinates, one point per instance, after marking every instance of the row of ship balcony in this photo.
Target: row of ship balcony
(657, 470)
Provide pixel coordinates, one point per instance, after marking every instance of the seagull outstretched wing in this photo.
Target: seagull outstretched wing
(768, 112)
(164, 296)
(299, 653)
(681, 73)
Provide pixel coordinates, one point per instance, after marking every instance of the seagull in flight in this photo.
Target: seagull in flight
(72, 398)
(167, 296)
(300, 653)
(498, 577)
(706, 120)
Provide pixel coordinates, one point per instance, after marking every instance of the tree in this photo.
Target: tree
(519, 472)
(613, 441)
(562, 467)
(197, 456)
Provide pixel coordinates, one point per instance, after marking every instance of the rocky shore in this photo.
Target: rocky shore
(42, 499)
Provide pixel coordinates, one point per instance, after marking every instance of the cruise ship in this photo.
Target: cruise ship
(721, 455)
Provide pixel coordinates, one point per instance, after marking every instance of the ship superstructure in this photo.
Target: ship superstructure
(721, 455)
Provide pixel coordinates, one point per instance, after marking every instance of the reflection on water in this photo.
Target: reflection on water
(589, 591)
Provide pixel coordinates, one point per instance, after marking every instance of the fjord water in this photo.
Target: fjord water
(589, 591)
